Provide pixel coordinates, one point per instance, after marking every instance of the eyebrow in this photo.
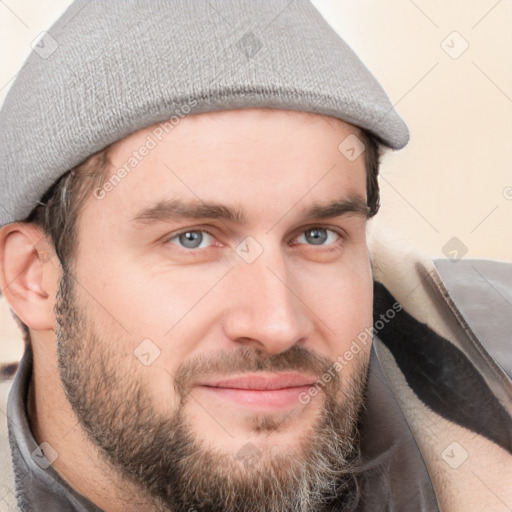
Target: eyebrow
(178, 209)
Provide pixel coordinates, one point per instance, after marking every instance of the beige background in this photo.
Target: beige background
(454, 179)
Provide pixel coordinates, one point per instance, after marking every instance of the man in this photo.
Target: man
(184, 212)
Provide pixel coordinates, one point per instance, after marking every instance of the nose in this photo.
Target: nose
(265, 306)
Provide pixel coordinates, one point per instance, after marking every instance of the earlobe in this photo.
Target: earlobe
(28, 274)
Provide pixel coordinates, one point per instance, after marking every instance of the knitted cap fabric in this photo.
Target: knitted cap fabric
(108, 68)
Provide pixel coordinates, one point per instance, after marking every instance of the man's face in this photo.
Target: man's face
(211, 288)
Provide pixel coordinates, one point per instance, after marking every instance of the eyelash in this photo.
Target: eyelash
(201, 229)
(189, 230)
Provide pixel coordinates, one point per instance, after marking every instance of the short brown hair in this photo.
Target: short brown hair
(58, 211)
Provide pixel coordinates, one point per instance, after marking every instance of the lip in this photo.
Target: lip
(263, 381)
(260, 390)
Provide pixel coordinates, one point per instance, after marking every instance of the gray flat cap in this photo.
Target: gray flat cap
(109, 68)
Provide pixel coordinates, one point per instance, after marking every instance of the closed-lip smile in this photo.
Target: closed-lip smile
(266, 390)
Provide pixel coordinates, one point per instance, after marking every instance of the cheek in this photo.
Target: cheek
(140, 360)
(145, 299)
(341, 297)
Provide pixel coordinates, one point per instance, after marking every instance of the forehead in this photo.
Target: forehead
(251, 157)
(240, 125)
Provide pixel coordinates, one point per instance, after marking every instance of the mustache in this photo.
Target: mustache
(244, 360)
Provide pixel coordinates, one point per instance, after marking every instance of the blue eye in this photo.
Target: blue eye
(192, 239)
(318, 236)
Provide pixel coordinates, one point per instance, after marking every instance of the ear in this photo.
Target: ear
(29, 274)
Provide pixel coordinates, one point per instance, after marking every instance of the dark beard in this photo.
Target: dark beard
(176, 472)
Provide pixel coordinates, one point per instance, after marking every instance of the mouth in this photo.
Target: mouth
(260, 390)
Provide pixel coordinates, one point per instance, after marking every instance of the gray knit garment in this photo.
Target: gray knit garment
(108, 68)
